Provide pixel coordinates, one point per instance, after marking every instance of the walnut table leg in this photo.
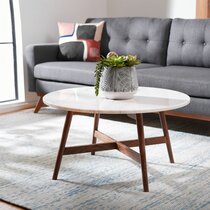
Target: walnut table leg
(166, 134)
(140, 130)
(95, 128)
(62, 144)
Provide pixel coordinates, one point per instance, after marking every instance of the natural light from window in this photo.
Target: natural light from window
(12, 84)
(7, 63)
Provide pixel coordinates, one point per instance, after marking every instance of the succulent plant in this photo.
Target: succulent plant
(113, 60)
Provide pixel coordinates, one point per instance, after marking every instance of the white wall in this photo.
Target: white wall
(39, 17)
(39, 20)
(152, 8)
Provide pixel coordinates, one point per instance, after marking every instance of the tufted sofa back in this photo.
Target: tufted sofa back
(145, 37)
(189, 43)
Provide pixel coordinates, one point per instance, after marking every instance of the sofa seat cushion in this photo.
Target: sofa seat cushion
(146, 66)
(72, 72)
(65, 71)
(193, 81)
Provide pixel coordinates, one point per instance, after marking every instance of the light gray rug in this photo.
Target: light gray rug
(108, 180)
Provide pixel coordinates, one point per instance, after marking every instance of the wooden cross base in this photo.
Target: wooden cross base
(109, 143)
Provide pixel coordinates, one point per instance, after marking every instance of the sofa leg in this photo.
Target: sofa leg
(40, 103)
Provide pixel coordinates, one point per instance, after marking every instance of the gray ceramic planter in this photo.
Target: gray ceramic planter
(119, 83)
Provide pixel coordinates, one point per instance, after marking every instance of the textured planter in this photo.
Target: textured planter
(119, 83)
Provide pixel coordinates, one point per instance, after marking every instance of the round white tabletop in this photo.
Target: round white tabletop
(146, 100)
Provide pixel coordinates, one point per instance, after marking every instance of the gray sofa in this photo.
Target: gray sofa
(174, 54)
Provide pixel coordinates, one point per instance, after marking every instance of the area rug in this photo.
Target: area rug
(108, 180)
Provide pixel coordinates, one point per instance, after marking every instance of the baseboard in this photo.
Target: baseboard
(14, 107)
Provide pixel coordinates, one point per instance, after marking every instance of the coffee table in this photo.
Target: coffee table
(146, 100)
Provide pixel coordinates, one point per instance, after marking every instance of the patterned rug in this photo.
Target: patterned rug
(108, 180)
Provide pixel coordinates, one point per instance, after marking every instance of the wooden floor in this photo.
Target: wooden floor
(7, 206)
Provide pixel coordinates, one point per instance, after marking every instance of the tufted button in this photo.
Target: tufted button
(147, 40)
(126, 39)
(204, 43)
(183, 42)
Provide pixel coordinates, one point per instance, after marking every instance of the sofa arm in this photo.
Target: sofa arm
(38, 53)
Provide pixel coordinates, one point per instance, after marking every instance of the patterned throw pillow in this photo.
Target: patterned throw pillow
(80, 42)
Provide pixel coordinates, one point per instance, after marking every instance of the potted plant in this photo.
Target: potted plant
(116, 76)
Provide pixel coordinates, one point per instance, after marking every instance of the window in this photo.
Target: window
(8, 67)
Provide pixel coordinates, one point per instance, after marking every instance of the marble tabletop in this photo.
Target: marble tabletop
(146, 100)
